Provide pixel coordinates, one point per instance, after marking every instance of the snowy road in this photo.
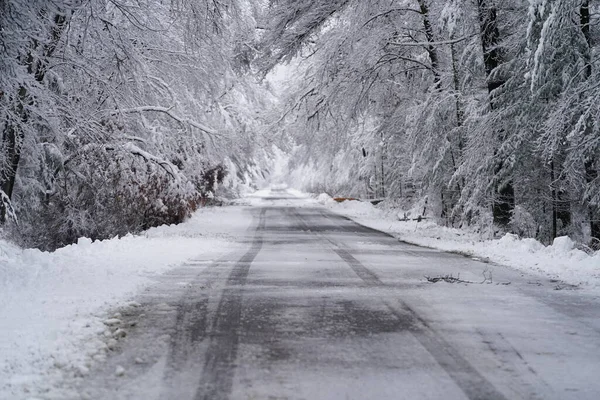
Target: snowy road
(318, 307)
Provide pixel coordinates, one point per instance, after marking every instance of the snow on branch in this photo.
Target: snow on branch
(439, 43)
(6, 208)
(383, 14)
(167, 111)
(132, 149)
(164, 164)
(296, 104)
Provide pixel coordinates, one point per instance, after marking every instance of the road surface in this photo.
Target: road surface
(319, 307)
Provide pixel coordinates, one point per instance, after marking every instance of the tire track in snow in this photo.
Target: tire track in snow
(474, 385)
(219, 367)
(364, 230)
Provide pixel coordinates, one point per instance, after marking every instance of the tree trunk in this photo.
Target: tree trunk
(13, 134)
(12, 140)
(456, 82)
(459, 112)
(490, 35)
(504, 201)
(431, 50)
(584, 13)
(591, 172)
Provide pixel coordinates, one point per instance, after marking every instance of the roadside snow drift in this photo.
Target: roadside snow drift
(53, 305)
(561, 260)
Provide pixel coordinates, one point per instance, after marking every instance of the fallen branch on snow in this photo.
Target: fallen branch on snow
(487, 278)
(446, 278)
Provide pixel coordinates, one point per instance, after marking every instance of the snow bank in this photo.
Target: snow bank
(325, 199)
(52, 305)
(356, 208)
(560, 261)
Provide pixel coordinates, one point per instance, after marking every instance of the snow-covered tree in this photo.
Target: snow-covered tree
(119, 115)
(482, 106)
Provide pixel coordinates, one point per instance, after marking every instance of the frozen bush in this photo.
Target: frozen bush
(522, 223)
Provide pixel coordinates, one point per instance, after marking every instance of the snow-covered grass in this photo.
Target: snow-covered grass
(562, 260)
(52, 305)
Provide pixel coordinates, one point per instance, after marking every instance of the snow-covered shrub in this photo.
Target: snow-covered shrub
(209, 180)
(107, 192)
(522, 223)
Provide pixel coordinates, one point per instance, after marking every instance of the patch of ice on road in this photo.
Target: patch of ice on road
(53, 306)
(561, 260)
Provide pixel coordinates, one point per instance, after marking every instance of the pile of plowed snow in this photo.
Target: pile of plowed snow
(53, 304)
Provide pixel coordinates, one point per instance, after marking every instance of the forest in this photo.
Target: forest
(119, 115)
